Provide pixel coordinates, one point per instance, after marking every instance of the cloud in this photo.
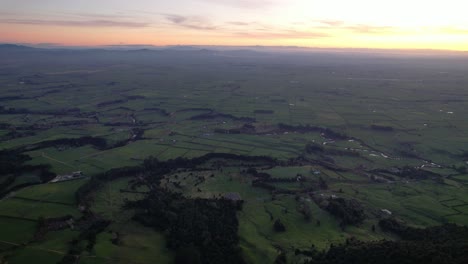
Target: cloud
(453, 30)
(283, 34)
(176, 19)
(368, 29)
(76, 23)
(239, 23)
(331, 23)
(354, 28)
(248, 29)
(249, 4)
(99, 16)
(191, 22)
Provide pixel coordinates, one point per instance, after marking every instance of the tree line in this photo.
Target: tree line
(447, 243)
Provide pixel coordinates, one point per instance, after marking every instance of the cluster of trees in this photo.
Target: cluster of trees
(244, 129)
(42, 171)
(135, 97)
(15, 133)
(9, 98)
(97, 142)
(89, 234)
(107, 103)
(460, 169)
(278, 226)
(82, 195)
(440, 244)
(213, 115)
(44, 225)
(228, 131)
(90, 227)
(205, 231)
(262, 111)
(314, 148)
(267, 185)
(199, 230)
(11, 161)
(348, 210)
(416, 173)
(322, 183)
(190, 163)
(305, 210)
(382, 128)
(446, 232)
(329, 133)
(12, 165)
(334, 134)
(392, 252)
(59, 112)
(253, 171)
(250, 129)
(409, 172)
(195, 109)
(161, 111)
(265, 177)
(464, 155)
(264, 180)
(261, 184)
(299, 128)
(153, 170)
(340, 152)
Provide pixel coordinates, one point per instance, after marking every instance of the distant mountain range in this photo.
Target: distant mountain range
(15, 47)
(226, 50)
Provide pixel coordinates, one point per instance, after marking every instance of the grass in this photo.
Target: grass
(109, 200)
(26, 178)
(258, 239)
(62, 192)
(139, 245)
(57, 240)
(16, 231)
(323, 91)
(32, 210)
(34, 255)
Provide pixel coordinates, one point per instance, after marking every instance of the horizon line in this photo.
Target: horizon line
(58, 46)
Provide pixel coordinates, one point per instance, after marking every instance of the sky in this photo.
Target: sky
(395, 24)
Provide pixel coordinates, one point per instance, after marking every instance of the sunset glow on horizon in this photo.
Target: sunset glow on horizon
(394, 24)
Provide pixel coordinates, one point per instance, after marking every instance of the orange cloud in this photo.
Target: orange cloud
(191, 22)
(75, 23)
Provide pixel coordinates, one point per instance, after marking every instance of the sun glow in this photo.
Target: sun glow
(399, 24)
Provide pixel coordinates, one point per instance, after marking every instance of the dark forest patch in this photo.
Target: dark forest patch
(382, 128)
(214, 115)
(206, 227)
(439, 244)
(160, 111)
(112, 102)
(262, 111)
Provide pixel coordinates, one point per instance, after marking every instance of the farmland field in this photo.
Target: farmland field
(312, 148)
